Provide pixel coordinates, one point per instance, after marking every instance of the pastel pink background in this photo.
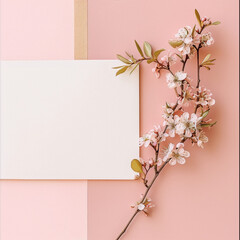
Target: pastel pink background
(196, 201)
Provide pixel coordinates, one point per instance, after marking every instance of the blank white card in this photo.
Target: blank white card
(68, 120)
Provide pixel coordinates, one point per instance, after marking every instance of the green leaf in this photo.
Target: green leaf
(157, 53)
(139, 48)
(133, 59)
(198, 17)
(208, 68)
(186, 30)
(122, 70)
(205, 114)
(147, 49)
(128, 54)
(175, 43)
(193, 31)
(135, 67)
(216, 23)
(118, 67)
(136, 166)
(208, 63)
(208, 124)
(179, 56)
(131, 56)
(123, 59)
(167, 105)
(206, 58)
(212, 60)
(150, 60)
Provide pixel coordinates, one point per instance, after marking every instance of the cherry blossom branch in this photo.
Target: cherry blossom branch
(176, 120)
(184, 63)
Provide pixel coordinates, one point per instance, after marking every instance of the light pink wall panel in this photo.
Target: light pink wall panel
(200, 199)
(49, 210)
(37, 29)
(40, 210)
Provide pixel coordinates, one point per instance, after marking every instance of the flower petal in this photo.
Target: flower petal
(181, 160)
(172, 162)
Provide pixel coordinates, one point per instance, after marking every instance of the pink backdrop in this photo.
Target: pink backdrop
(196, 201)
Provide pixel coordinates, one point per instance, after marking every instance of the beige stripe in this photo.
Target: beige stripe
(80, 29)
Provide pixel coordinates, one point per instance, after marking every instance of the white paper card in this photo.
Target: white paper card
(68, 120)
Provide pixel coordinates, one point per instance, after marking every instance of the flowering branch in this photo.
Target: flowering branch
(178, 122)
(143, 201)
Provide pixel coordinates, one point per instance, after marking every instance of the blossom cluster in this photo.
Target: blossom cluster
(187, 38)
(153, 137)
(176, 155)
(178, 121)
(204, 97)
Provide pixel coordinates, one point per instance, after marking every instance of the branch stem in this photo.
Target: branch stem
(125, 229)
(198, 68)
(143, 199)
(198, 75)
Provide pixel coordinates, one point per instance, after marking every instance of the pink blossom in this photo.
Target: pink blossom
(207, 39)
(201, 139)
(168, 152)
(156, 70)
(188, 39)
(187, 97)
(206, 21)
(153, 137)
(172, 123)
(187, 125)
(169, 58)
(144, 206)
(176, 80)
(151, 162)
(204, 97)
(159, 162)
(179, 155)
(167, 110)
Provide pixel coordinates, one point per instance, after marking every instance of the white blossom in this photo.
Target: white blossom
(186, 125)
(167, 110)
(201, 139)
(204, 97)
(141, 207)
(207, 39)
(168, 152)
(176, 80)
(153, 137)
(172, 123)
(179, 155)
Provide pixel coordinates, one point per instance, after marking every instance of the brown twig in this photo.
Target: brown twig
(143, 199)
(198, 75)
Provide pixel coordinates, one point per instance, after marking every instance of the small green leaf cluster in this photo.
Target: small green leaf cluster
(147, 54)
(200, 22)
(207, 62)
(206, 124)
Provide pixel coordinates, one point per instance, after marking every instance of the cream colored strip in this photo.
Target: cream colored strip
(80, 29)
(81, 52)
